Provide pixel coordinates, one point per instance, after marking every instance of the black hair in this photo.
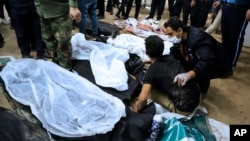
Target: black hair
(175, 23)
(154, 46)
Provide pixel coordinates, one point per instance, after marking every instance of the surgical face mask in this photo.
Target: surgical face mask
(175, 40)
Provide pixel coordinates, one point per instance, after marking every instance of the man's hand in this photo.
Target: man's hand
(248, 15)
(216, 4)
(182, 79)
(75, 14)
(138, 105)
(193, 2)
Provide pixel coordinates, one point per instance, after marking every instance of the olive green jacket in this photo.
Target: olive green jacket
(54, 8)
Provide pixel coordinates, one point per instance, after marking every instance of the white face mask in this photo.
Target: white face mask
(175, 40)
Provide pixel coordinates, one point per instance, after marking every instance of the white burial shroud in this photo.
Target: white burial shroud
(67, 104)
(107, 62)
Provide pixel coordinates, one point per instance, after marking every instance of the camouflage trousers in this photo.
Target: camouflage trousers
(56, 33)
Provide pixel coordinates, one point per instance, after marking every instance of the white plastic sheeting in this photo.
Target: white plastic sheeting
(107, 62)
(135, 44)
(66, 104)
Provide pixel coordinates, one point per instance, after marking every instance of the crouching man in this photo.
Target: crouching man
(158, 82)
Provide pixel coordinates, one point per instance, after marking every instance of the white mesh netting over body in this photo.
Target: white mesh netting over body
(67, 105)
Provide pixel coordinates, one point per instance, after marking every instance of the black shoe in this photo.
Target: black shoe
(158, 19)
(40, 56)
(125, 17)
(117, 17)
(47, 55)
(148, 18)
(228, 74)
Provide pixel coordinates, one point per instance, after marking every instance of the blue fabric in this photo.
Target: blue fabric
(88, 7)
(230, 1)
(238, 2)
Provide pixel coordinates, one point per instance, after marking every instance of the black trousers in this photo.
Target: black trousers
(171, 7)
(233, 26)
(101, 7)
(137, 8)
(109, 7)
(158, 5)
(121, 9)
(199, 13)
(27, 27)
(178, 6)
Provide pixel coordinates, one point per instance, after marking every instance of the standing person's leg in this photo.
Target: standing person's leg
(22, 33)
(216, 23)
(1, 9)
(177, 7)
(93, 17)
(101, 8)
(116, 3)
(83, 7)
(7, 7)
(160, 9)
(152, 9)
(61, 29)
(49, 39)
(121, 9)
(233, 33)
(137, 8)
(214, 12)
(128, 8)
(186, 9)
(171, 8)
(109, 7)
(37, 35)
(203, 12)
(195, 14)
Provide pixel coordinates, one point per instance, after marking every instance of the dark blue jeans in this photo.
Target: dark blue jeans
(88, 7)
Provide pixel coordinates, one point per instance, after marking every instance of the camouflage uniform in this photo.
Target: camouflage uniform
(56, 29)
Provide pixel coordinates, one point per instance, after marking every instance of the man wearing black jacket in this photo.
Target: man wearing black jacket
(199, 53)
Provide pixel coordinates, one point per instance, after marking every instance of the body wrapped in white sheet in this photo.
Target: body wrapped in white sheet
(107, 62)
(66, 104)
(135, 45)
